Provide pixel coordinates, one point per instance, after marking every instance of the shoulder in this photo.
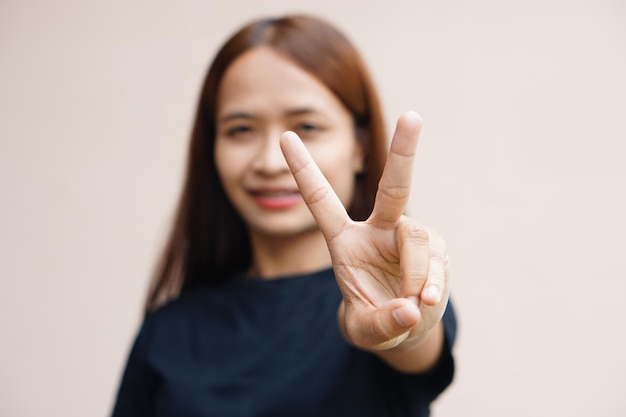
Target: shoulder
(172, 319)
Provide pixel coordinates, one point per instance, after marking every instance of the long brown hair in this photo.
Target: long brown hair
(208, 242)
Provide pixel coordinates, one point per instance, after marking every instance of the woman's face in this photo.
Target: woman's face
(261, 95)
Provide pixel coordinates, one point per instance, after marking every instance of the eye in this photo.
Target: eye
(238, 130)
(308, 129)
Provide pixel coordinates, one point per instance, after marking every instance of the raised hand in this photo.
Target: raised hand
(392, 271)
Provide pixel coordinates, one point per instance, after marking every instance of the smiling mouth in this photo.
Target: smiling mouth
(276, 199)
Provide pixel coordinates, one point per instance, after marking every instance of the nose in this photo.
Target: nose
(269, 160)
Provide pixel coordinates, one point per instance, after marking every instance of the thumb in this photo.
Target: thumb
(388, 325)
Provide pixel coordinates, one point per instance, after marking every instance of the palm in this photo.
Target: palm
(388, 263)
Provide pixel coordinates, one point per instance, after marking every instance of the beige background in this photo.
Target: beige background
(521, 167)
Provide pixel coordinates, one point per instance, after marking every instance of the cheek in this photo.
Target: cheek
(338, 167)
(226, 163)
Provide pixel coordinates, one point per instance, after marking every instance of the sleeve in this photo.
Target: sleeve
(435, 381)
(412, 394)
(136, 394)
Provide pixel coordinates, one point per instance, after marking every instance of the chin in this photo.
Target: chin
(285, 231)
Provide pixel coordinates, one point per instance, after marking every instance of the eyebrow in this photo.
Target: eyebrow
(301, 110)
(236, 115)
(291, 112)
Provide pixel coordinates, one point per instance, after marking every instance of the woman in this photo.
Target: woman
(290, 286)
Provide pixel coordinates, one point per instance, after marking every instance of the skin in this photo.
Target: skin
(392, 271)
(261, 95)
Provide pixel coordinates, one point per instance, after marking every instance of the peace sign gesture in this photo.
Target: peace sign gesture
(392, 271)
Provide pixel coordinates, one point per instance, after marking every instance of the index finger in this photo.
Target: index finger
(323, 202)
(394, 187)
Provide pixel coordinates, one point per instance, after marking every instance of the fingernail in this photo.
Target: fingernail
(402, 316)
(432, 293)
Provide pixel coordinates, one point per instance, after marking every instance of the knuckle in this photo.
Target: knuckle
(316, 195)
(415, 274)
(382, 329)
(394, 192)
(437, 256)
(418, 234)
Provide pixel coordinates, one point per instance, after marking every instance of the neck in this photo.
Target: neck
(281, 256)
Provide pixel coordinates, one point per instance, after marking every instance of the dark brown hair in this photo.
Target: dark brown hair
(209, 242)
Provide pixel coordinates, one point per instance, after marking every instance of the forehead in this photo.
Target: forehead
(262, 79)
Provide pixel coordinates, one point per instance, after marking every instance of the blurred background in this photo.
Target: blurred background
(521, 167)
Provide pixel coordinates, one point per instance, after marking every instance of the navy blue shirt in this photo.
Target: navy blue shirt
(257, 347)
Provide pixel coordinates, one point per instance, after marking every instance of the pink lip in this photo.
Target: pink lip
(276, 201)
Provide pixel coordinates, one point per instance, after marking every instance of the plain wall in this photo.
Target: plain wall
(520, 167)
